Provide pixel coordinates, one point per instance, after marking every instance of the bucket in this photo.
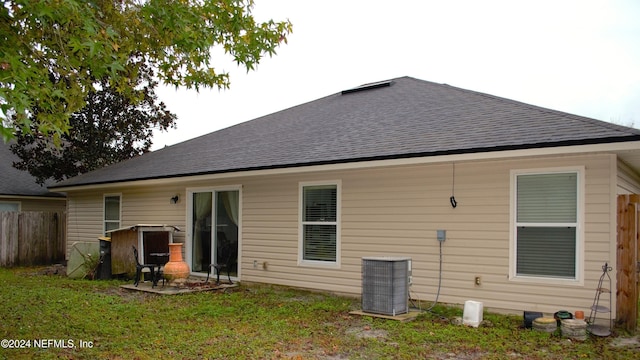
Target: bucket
(472, 315)
(529, 316)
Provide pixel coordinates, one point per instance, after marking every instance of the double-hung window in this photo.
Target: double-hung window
(546, 227)
(319, 223)
(111, 212)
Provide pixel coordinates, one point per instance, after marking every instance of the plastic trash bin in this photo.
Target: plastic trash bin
(104, 269)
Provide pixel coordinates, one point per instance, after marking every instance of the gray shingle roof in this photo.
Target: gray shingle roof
(409, 118)
(14, 182)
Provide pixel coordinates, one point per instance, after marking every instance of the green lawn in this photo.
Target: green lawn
(251, 322)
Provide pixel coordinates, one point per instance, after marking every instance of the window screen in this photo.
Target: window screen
(111, 212)
(546, 223)
(319, 223)
(9, 206)
(547, 198)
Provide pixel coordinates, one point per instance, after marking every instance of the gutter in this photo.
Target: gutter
(492, 153)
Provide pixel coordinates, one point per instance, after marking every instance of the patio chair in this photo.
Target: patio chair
(226, 251)
(140, 267)
(219, 267)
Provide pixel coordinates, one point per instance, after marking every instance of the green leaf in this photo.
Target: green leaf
(6, 133)
(60, 49)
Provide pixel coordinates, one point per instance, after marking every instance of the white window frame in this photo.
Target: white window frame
(104, 214)
(579, 255)
(337, 223)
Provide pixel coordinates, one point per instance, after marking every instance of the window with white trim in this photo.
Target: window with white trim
(111, 212)
(546, 224)
(319, 223)
(9, 206)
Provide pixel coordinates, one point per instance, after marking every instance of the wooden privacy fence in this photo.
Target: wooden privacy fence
(32, 238)
(628, 258)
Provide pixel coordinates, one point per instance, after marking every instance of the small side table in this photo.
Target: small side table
(158, 267)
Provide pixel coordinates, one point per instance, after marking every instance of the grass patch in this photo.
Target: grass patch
(250, 322)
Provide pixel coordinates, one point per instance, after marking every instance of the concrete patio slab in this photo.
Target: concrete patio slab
(175, 290)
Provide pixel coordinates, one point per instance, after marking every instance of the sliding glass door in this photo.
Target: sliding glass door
(214, 230)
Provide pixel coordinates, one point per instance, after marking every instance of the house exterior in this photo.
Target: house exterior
(19, 190)
(526, 195)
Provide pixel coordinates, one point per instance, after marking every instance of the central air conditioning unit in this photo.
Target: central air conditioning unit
(385, 285)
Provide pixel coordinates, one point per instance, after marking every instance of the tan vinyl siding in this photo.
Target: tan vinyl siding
(152, 205)
(84, 218)
(139, 205)
(391, 211)
(270, 215)
(396, 211)
(628, 180)
(39, 204)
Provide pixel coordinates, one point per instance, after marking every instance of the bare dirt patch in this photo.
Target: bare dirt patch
(125, 294)
(366, 332)
(626, 342)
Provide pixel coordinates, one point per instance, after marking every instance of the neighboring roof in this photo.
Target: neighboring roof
(399, 118)
(14, 182)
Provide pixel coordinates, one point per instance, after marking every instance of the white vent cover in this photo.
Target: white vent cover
(385, 285)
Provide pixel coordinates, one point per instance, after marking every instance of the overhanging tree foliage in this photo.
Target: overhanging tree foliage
(55, 51)
(110, 128)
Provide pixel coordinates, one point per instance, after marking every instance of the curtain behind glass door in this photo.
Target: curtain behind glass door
(202, 221)
(227, 230)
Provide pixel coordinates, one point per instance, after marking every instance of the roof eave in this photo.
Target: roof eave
(588, 145)
(35, 197)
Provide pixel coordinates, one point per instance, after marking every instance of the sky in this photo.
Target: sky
(576, 56)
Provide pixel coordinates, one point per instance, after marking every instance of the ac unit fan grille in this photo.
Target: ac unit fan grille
(385, 285)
